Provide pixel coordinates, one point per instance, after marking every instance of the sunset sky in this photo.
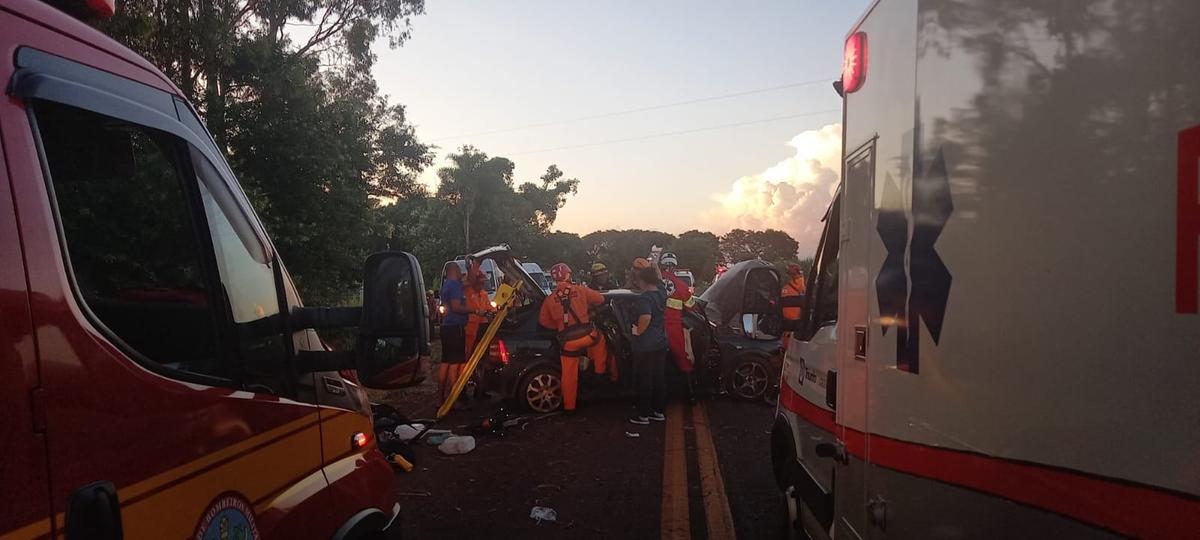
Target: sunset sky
(617, 94)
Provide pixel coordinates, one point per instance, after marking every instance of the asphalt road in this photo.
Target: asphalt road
(705, 473)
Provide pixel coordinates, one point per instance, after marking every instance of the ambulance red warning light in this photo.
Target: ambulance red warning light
(854, 62)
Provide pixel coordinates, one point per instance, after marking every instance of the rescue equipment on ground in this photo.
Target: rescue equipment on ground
(400, 462)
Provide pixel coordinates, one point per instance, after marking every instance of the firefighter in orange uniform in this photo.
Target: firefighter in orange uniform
(477, 302)
(679, 298)
(792, 299)
(566, 310)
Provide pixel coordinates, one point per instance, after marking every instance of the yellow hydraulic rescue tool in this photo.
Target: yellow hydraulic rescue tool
(505, 295)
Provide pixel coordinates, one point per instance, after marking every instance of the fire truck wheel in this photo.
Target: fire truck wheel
(749, 378)
(541, 390)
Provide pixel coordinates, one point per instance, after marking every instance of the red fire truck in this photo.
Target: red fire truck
(159, 375)
(1001, 333)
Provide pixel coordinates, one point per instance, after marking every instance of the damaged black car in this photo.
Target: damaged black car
(734, 334)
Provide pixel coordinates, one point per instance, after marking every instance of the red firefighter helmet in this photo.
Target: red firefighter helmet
(560, 272)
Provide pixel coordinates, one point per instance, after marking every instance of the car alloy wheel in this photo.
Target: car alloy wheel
(543, 392)
(749, 380)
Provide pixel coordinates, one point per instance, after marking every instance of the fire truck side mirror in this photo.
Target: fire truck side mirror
(394, 332)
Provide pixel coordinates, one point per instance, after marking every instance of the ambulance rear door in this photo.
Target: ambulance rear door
(875, 285)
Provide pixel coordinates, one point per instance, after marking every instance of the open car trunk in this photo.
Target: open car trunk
(514, 274)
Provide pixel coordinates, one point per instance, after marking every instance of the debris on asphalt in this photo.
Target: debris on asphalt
(437, 436)
(499, 421)
(391, 444)
(632, 435)
(456, 445)
(542, 513)
(414, 494)
(407, 431)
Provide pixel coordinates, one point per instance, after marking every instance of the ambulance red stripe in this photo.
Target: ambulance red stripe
(1122, 506)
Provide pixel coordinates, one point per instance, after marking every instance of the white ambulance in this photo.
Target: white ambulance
(1001, 338)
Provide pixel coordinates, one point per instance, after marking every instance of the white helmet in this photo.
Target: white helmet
(668, 258)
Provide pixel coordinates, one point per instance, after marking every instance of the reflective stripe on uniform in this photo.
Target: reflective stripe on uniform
(674, 303)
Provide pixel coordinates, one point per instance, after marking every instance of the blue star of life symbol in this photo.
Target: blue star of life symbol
(914, 284)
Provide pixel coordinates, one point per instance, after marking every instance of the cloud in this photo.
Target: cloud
(791, 195)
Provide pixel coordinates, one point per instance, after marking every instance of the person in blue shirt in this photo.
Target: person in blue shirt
(453, 330)
(649, 342)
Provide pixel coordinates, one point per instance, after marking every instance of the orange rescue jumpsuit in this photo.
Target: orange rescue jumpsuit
(477, 301)
(552, 315)
(793, 288)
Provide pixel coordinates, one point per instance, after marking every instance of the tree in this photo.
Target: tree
(478, 187)
(305, 129)
(698, 251)
(618, 249)
(546, 198)
(200, 44)
(556, 247)
(770, 245)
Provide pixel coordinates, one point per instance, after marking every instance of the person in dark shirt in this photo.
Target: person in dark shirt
(453, 331)
(649, 342)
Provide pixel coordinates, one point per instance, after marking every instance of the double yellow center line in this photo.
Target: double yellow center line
(676, 520)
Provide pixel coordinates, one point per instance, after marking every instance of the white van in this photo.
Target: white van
(491, 274)
(542, 279)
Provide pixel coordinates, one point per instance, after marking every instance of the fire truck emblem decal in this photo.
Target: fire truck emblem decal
(229, 517)
(914, 284)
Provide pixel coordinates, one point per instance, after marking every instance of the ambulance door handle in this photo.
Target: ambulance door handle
(860, 342)
(93, 512)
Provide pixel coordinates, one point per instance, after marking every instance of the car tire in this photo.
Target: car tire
(749, 378)
(540, 390)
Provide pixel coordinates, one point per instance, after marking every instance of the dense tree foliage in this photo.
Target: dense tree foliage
(698, 251)
(301, 120)
(770, 245)
(331, 166)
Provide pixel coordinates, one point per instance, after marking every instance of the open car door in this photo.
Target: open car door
(747, 298)
(762, 313)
